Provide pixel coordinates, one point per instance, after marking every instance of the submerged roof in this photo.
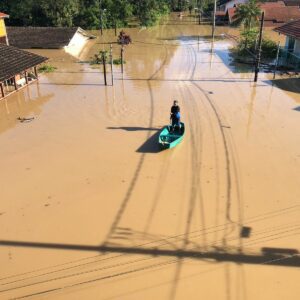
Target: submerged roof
(14, 61)
(291, 29)
(42, 37)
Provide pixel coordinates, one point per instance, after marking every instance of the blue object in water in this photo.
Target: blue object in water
(171, 136)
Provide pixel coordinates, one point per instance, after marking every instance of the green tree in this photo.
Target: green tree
(247, 14)
(118, 13)
(60, 13)
(89, 14)
(150, 11)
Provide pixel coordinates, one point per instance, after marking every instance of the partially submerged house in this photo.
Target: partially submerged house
(18, 68)
(292, 32)
(72, 40)
(289, 55)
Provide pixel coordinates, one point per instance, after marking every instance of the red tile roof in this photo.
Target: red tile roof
(3, 15)
(280, 14)
(275, 12)
(272, 4)
(292, 2)
(291, 29)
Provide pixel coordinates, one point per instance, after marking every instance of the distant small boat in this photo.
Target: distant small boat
(170, 137)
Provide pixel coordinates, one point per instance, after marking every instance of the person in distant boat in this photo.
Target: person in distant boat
(175, 114)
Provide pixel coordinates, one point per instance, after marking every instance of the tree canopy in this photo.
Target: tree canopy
(247, 14)
(89, 14)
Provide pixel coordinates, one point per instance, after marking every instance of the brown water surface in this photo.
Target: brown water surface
(91, 209)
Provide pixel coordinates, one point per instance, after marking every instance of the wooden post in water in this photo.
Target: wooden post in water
(26, 77)
(111, 65)
(258, 53)
(15, 83)
(2, 89)
(122, 59)
(104, 66)
(36, 72)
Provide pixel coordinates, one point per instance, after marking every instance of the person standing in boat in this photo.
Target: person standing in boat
(175, 114)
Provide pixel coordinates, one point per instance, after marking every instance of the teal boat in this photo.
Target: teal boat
(170, 137)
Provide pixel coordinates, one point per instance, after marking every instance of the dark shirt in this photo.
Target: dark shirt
(175, 109)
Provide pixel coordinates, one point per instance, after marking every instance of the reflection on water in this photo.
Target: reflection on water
(28, 102)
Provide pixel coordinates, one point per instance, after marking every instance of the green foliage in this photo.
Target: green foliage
(118, 61)
(46, 68)
(98, 58)
(150, 11)
(118, 12)
(41, 12)
(247, 14)
(180, 5)
(89, 14)
(248, 44)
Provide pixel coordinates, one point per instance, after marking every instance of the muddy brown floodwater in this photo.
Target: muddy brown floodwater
(91, 209)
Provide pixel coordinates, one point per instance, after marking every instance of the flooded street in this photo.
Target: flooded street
(92, 209)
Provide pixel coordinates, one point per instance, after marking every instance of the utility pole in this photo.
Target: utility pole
(103, 53)
(111, 65)
(214, 19)
(122, 59)
(258, 52)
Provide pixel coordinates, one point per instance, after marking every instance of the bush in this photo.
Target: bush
(118, 61)
(46, 68)
(248, 43)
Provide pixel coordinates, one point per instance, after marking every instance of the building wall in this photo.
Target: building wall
(2, 28)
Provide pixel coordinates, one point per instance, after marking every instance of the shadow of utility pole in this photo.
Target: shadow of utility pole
(267, 256)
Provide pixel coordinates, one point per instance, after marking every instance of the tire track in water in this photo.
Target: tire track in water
(217, 176)
(226, 149)
(227, 159)
(196, 156)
